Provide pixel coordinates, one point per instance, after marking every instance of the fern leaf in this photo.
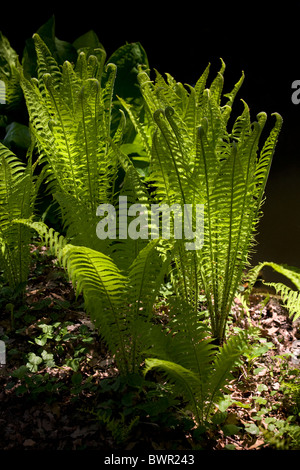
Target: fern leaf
(228, 357)
(185, 381)
(18, 191)
(266, 157)
(290, 298)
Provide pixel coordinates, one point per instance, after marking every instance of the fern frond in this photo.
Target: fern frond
(52, 239)
(145, 132)
(290, 297)
(202, 386)
(70, 115)
(18, 191)
(192, 348)
(46, 62)
(10, 90)
(291, 272)
(185, 381)
(266, 157)
(146, 274)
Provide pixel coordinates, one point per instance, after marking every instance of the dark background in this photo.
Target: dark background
(181, 38)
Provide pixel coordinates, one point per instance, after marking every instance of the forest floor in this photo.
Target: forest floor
(63, 398)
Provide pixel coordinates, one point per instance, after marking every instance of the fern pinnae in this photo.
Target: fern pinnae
(228, 267)
(88, 155)
(145, 276)
(138, 125)
(107, 93)
(172, 150)
(148, 91)
(239, 203)
(290, 298)
(217, 84)
(97, 277)
(199, 89)
(232, 94)
(158, 171)
(70, 86)
(65, 142)
(185, 381)
(202, 147)
(227, 358)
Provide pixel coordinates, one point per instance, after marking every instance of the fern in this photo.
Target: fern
(18, 192)
(10, 90)
(198, 370)
(70, 117)
(119, 302)
(289, 296)
(196, 159)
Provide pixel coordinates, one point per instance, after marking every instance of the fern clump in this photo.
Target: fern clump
(18, 191)
(70, 116)
(196, 158)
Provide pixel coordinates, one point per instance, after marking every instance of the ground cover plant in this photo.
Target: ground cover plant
(156, 342)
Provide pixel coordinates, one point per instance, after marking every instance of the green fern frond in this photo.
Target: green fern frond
(46, 62)
(70, 115)
(227, 358)
(185, 381)
(143, 130)
(197, 159)
(290, 297)
(10, 89)
(202, 387)
(18, 192)
(52, 239)
(119, 302)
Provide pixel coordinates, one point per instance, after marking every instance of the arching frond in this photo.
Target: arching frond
(18, 191)
(70, 116)
(201, 386)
